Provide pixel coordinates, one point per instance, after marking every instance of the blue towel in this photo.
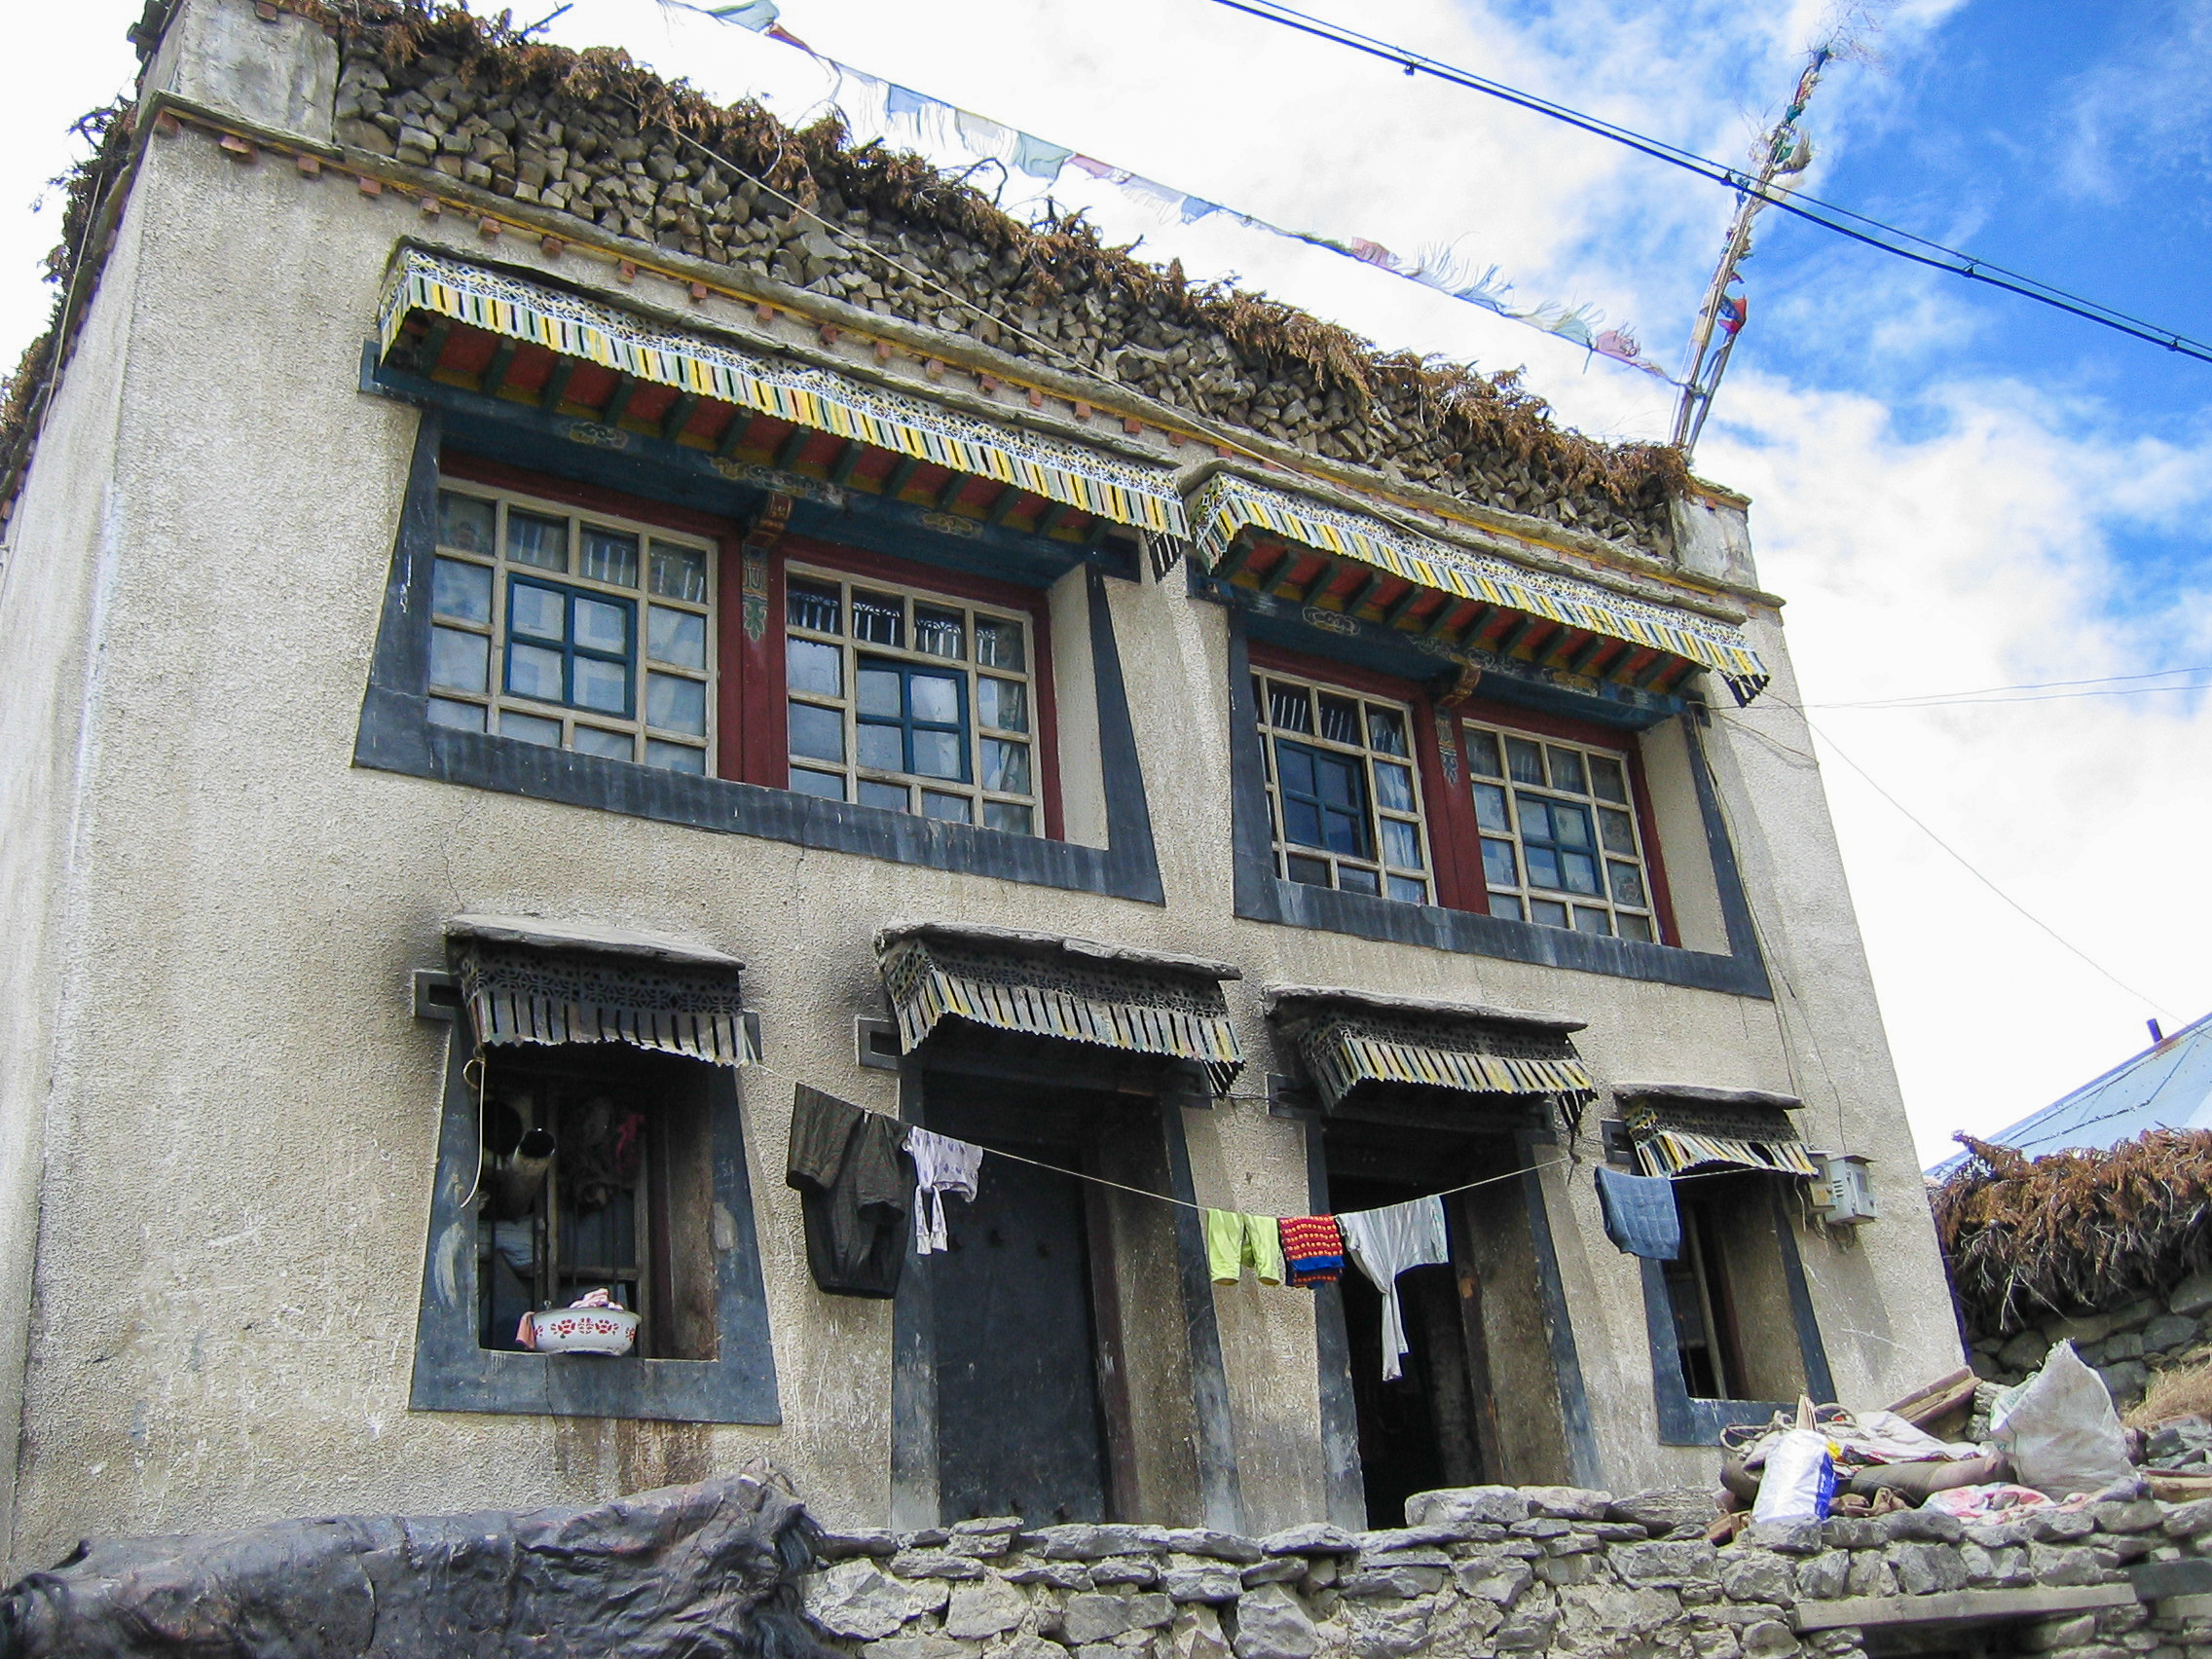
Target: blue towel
(1640, 1212)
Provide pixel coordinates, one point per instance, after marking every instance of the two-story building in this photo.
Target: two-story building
(547, 626)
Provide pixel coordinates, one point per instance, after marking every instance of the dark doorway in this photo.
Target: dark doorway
(1020, 1423)
(1478, 1402)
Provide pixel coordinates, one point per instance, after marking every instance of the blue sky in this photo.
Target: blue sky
(1954, 487)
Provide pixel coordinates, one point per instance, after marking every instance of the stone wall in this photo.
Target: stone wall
(2126, 1344)
(1500, 1570)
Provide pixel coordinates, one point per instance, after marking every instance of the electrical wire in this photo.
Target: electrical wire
(2024, 686)
(1994, 702)
(1938, 257)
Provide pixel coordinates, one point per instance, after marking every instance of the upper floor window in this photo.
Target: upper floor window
(909, 701)
(574, 630)
(1343, 789)
(1559, 837)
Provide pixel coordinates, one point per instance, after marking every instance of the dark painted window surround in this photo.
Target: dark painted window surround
(1261, 895)
(395, 733)
(1687, 1422)
(452, 1373)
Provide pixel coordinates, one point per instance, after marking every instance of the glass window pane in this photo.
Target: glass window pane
(465, 522)
(534, 672)
(1339, 780)
(818, 733)
(674, 703)
(1498, 867)
(1005, 766)
(1386, 730)
(1548, 912)
(1482, 754)
(463, 716)
(1289, 707)
(1297, 762)
(1408, 890)
(1339, 720)
(1637, 927)
(461, 590)
(1401, 843)
(880, 618)
(534, 539)
(812, 605)
(603, 627)
(610, 557)
(824, 785)
(893, 798)
(676, 757)
(677, 637)
(1543, 867)
(941, 755)
(1005, 814)
(1580, 870)
(1002, 703)
(940, 633)
(602, 685)
(1313, 873)
(1301, 822)
(883, 747)
(1571, 825)
(1618, 832)
(1606, 781)
(1354, 879)
(1591, 921)
(459, 661)
(952, 808)
(531, 729)
(1567, 772)
(679, 573)
(1490, 807)
(1393, 787)
(1527, 760)
(880, 691)
(935, 698)
(1627, 884)
(999, 644)
(1346, 833)
(810, 665)
(538, 612)
(598, 740)
(1505, 904)
(1535, 815)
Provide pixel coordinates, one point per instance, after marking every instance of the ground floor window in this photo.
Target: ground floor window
(1734, 1331)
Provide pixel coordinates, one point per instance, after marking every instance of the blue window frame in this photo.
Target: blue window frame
(571, 647)
(1324, 799)
(911, 718)
(1557, 843)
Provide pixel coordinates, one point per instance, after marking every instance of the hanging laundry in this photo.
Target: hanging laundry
(941, 1165)
(1639, 1215)
(1236, 1240)
(1313, 1249)
(845, 1166)
(1385, 1242)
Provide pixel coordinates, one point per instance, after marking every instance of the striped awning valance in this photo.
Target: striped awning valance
(1347, 1038)
(1071, 989)
(1481, 599)
(817, 398)
(1675, 1135)
(523, 980)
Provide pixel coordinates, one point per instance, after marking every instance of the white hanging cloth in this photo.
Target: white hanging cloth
(1384, 1243)
(941, 1165)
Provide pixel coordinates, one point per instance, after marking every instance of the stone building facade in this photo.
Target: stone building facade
(490, 554)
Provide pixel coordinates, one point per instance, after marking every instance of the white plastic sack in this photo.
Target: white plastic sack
(2059, 1429)
(1799, 1483)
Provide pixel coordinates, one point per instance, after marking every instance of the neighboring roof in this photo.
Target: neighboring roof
(2167, 1086)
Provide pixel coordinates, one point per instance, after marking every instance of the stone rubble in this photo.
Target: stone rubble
(1487, 1570)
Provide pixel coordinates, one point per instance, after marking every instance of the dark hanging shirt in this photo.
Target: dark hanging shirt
(845, 1165)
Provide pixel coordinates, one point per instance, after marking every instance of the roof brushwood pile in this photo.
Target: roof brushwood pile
(2073, 1232)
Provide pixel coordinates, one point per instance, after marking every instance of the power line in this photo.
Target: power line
(1938, 257)
(2023, 685)
(1997, 702)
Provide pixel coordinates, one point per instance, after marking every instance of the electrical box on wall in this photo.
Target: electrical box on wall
(1844, 1195)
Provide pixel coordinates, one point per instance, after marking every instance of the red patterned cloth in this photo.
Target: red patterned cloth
(1313, 1249)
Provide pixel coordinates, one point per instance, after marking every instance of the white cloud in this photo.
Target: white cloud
(2144, 109)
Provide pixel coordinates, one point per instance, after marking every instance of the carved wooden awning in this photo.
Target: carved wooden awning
(1073, 990)
(1347, 1038)
(527, 981)
(1677, 1128)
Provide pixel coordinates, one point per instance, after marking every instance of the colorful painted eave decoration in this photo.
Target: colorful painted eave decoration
(1229, 507)
(570, 326)
(1341, 1057)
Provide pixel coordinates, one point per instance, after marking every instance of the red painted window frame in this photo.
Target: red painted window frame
(1454, 840)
